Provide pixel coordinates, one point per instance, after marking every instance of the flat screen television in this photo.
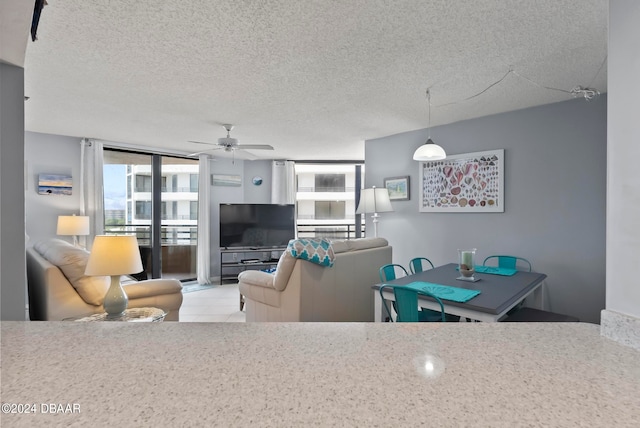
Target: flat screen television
(256, 225)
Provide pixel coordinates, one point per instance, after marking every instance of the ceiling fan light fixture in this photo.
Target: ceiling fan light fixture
(228, 141)
(429, 151)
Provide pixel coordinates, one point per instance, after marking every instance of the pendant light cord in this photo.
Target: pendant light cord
(587, 93)
(428, 114)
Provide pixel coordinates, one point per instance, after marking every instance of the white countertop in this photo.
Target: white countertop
(318, 374)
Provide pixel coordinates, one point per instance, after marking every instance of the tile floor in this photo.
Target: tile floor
(218, 304)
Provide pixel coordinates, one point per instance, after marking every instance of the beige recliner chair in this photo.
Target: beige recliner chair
(58, 288)
(300, 290)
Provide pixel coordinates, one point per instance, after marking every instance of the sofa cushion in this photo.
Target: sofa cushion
(364, 243)
(340, 246)
(318, 251)
(344, 245)
(72, 261)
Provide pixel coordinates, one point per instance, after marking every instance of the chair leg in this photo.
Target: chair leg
(241, 302)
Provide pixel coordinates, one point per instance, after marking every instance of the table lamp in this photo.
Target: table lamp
(374, 201)
(73, 225)
(114, 255)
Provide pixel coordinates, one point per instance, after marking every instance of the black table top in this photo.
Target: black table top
(497, 292)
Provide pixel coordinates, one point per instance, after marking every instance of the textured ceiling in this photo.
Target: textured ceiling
(314, 79)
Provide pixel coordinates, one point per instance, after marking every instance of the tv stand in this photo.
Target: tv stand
(235, 260)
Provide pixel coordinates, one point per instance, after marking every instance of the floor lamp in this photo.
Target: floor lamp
(374, 201)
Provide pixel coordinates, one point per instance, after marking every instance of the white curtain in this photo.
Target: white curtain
(283, 179)
(91, 194)
(204, 221)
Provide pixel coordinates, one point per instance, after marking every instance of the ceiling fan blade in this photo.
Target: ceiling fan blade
(254, 147)
(200, 142)
(204, 151)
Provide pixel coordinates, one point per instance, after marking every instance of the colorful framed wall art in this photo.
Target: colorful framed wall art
(466, 183)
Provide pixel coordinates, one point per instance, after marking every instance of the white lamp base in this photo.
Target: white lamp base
(375, 218)
(116, 300)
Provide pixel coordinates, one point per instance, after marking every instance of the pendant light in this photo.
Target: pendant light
(429, 151)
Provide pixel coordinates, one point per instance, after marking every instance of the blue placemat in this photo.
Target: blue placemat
(494, 270)
(445, 292)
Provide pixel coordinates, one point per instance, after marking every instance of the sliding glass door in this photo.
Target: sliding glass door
(154, 197)
(179, 217)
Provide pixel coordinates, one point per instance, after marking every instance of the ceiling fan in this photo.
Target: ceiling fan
(229, 144)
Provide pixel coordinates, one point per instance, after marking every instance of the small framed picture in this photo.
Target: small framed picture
(398, 188)
(54, 184)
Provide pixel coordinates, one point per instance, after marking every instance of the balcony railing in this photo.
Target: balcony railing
(142, 216)
(178, 249)
(180, 189)
(147, 189)
(182, 234)
(187, 234)
(330, 231)
(179, 217)
(315, 217)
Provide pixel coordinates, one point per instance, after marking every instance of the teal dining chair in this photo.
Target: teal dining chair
(520, 313)
(393, 271)
(419, 264)
(509, 262)
(406, 303)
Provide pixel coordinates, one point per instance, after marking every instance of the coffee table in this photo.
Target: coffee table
(129, 315)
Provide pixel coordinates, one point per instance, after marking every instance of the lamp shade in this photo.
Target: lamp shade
(429, 151)
(114, 255)
(73, 225)
(374, 201)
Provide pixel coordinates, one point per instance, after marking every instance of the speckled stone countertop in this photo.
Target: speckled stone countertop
(317, 374)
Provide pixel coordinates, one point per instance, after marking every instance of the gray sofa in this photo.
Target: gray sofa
(58, 288)
(303, 291)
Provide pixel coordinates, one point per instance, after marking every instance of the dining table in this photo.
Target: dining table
(495, 291)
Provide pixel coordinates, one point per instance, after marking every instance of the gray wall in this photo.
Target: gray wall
(56, 154)
(555, 197)
(12, 238)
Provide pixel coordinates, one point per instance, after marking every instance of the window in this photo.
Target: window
(326, 210)
(163, 210)
(193, 212)
(193, 182)
(330, 183)
(143, 183)
(143, 210)
(169, 210)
